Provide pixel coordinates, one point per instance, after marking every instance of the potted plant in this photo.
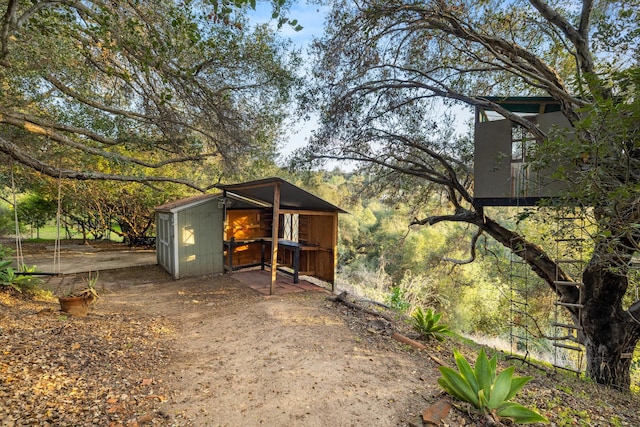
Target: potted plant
(78, 301)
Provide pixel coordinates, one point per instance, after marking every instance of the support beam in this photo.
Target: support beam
(334, 247)
(274, 235)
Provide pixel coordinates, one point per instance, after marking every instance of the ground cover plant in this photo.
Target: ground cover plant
(487, 390)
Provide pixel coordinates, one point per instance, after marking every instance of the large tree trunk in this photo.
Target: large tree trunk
(610, 333)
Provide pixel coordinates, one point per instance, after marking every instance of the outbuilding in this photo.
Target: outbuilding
(503, 172)
(265, 223)
(188, 236)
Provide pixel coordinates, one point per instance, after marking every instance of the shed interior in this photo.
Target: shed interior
(305, 229)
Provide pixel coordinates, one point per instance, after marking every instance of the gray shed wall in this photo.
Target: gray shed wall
(199, 239)
(190, 240)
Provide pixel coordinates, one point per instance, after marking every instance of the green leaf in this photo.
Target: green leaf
(501, 388)
(483, 372)
(446, 386)
(466, 371)
(493, 366)
(520, 414)
(483, 403)
(516, 384)
(460, 387)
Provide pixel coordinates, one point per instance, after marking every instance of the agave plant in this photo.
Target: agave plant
(427, 324)
(486, 391)
(9, 277)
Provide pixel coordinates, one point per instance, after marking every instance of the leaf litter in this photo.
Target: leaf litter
(58, 370)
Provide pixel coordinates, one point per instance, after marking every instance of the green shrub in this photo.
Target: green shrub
(427, 324)
(486, 391)
(10, 278)
(396, 299)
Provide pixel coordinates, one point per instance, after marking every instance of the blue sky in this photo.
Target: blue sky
(311, 18)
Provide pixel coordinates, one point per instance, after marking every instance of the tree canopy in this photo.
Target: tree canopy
(125, 90)
(387, 70)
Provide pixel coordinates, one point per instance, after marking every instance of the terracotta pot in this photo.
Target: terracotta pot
(76, 306)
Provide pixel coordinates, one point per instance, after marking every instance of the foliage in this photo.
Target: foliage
(7, 222)
(95, 207)
(35, 210)
(425, 289)
(11, 278)
(365, 282)
(388, 74)
(427, 323)
(396, 299)
(129, 91)
(481, 295)
(486, 390)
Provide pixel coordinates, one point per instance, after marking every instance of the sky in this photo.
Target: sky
(311, 18)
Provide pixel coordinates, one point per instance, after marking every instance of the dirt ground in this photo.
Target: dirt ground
(225, 355)
(243, 359)
(210, 351)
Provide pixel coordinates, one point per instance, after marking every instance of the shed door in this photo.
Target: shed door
(164, 236)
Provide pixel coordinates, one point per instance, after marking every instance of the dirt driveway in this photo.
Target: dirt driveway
(243, 359)
(204, 351)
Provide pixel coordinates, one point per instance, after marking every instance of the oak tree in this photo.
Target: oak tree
(380, 66)
(89, 86)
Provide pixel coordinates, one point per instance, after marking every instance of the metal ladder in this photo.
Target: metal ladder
(569, 238)
(519, 313)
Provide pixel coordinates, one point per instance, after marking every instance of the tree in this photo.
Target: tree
(382, 63)
(91, 85)
(95, 207)
(36, 211)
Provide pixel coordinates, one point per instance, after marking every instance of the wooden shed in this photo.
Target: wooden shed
(271, 222)
(189, 236)
(502, 149)
(236, 229)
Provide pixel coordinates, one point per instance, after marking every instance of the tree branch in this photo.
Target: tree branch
(472, 250)
(15, 153)
(40, 127)
(579, 38)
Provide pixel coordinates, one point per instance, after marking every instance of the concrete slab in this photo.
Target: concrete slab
(85, 260)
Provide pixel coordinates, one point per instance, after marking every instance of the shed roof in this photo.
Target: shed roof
(526, 104)
(521, 105)
(291, 196)
(178, 205)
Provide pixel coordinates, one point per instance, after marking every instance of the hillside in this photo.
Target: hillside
(209, 351)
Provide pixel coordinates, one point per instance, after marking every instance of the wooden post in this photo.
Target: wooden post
(334, 248)
(274, 235)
